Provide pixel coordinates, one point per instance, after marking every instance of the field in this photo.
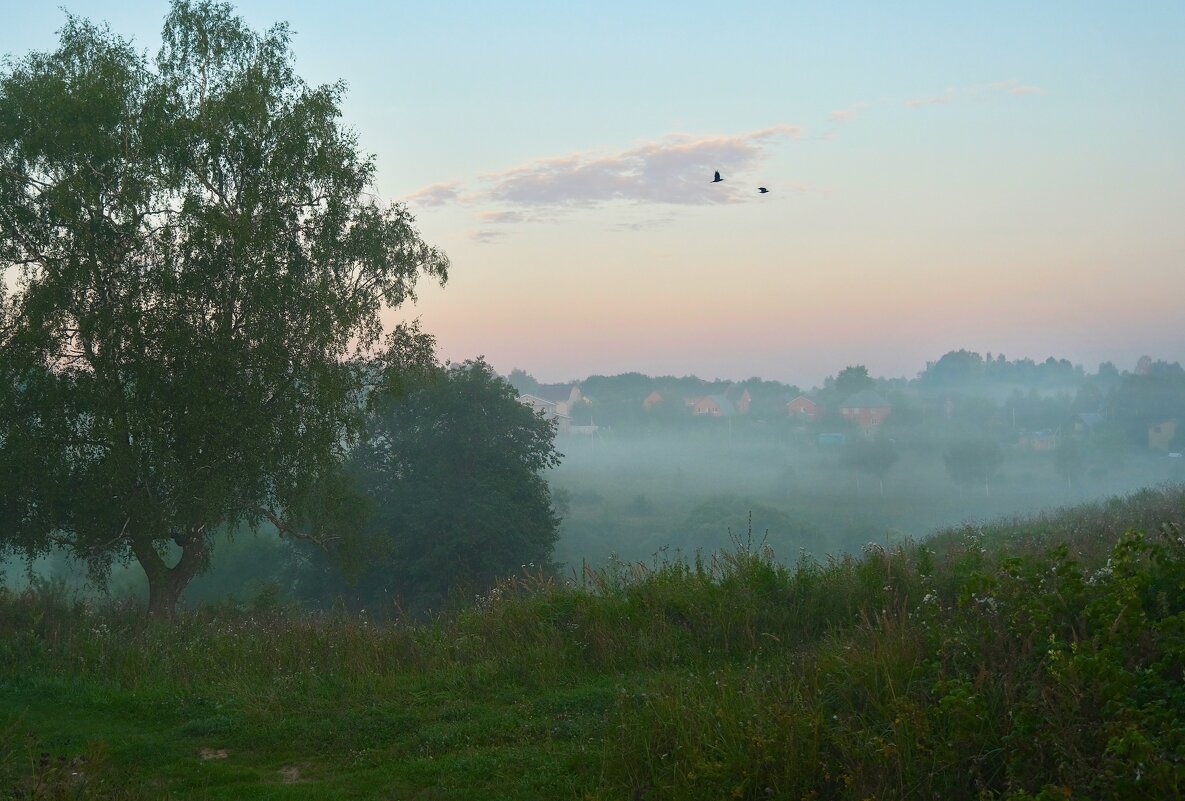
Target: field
(638, 497)
(1039, 657)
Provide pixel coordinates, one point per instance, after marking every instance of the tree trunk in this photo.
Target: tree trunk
(165, 584)
(163, 595)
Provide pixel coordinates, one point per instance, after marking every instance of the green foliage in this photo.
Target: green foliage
(29, 771)
(967, 368)
(453, 469)
(955, 367)
(1143, 400)
(1036, 658)
(1030, 675)
(201, 268)
(724, 521)
(523, 382)
(851, 380)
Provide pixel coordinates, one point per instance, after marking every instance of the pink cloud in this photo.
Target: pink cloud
(435, 195)
(943, 99)
(1015, 87)
(486, 237)
(847, 114)
(501, 217)
(643, 225)
(676, 169)
(982, 92)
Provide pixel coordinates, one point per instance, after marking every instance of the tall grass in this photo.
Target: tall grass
(1027, 658)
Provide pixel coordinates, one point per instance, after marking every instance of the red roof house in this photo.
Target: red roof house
(802, 406)
(867, 408)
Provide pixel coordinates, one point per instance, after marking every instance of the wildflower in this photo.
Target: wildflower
(1099, 576)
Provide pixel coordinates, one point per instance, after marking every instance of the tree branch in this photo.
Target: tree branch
(287, 530)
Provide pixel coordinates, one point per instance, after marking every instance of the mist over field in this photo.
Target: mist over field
(648, 476)
(654, 482)
(640, 498)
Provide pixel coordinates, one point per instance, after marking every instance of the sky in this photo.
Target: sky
(1005, 177)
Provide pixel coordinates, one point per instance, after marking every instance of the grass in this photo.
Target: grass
(1038, 657)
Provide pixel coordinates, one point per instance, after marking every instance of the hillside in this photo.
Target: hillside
(1039, 657)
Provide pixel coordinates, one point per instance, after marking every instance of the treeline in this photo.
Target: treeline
(960, 394)
(962, 367)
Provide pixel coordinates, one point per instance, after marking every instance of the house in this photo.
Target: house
(804, 407)
(739, 397)
(564, 396)
(549, 409)
(1086, 422)
(713, 406)
(1161, 435)
(1038, 441)
(652, 399)
(867, 408)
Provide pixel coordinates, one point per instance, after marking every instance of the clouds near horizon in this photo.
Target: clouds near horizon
(676, 169)
(435, 195)
(950, 95)
(486, 236)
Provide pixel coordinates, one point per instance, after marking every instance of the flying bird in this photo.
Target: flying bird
(762, 190)
(717, 179)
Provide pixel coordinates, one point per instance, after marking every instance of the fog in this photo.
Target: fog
(646, 480)
(638, 498)
(657, 468)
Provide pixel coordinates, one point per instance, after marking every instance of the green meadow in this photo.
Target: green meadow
(1032, 657)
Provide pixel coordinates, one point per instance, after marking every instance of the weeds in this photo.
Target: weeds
(1026, 659)
(30, 773)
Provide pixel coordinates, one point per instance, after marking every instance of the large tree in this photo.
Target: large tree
(453, 467)
(194, 268)
(851, 380)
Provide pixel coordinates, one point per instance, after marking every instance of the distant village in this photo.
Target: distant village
(1028, 405)
(867, 408)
